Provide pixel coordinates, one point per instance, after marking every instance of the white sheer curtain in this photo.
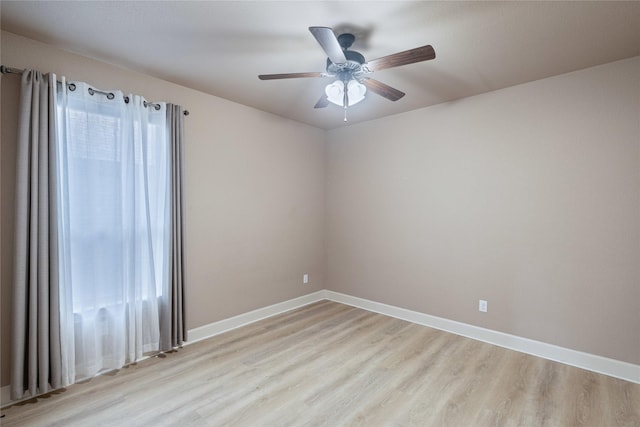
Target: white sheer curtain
(114, 226)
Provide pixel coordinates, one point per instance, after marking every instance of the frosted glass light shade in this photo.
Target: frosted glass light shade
(355, 92)
(335, 92)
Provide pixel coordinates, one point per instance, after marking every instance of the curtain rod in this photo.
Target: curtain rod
(10, 70)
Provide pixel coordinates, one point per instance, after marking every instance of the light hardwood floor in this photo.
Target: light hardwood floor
(329, 364)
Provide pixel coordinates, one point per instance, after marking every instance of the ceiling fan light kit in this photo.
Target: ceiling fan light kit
(350, 70)
(343, 93)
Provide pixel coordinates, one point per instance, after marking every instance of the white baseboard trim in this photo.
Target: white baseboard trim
(224, 325)
(602, 365)
(215, 328)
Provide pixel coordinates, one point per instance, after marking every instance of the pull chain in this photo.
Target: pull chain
(345, 100)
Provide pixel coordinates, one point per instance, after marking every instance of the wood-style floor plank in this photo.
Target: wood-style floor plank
(329, 364)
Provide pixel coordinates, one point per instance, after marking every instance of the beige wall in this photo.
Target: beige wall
(254, 191)
(528, 197)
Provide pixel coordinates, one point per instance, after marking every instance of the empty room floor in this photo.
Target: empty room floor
(329, 364)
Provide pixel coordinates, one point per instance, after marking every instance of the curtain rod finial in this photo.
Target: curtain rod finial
(9, 70)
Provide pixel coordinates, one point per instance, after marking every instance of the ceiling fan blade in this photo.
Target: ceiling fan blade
(288, 76)
(322, 102)
(329, 43)
(382, 89)
(406, 57)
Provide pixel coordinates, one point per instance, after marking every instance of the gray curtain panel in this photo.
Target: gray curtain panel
(173, 325)
(36, 353)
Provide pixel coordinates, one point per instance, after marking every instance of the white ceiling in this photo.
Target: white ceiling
(221, 47)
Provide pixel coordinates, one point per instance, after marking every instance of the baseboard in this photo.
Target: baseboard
(215, 328)
(221, 326)
(591, 362)
(611, 367)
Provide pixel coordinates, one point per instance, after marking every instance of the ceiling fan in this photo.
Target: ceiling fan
(351, 71)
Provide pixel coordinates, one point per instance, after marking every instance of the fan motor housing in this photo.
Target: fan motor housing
(353, 64)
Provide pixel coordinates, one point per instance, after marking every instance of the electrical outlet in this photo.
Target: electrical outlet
(305, 278)
(482, 306)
